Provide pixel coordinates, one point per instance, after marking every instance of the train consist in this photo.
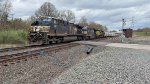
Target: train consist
(49, 30)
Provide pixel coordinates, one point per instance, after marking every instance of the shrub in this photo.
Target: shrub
(13, 37)
(143, 33)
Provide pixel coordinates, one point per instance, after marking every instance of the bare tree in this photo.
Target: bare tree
(95, 25)
(83, 21)
(67, 15)
(47, 9)
(105, 28)
(31, 19)
(5, 8)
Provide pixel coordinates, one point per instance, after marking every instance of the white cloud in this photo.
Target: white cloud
(106, 12)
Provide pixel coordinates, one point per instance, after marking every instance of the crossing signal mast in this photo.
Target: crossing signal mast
(131, 20)
(127, 32)
(123, 23)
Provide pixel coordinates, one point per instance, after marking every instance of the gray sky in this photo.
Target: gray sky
(105, 12)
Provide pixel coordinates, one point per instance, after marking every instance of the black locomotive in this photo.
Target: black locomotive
(48, 30)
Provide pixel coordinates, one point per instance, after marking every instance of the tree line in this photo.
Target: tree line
(5, 8)
(47, 9)
(145, 29)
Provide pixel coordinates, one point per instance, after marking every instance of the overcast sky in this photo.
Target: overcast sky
(105, 12)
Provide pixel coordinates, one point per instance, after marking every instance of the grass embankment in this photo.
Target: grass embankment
(13, 37)
(142, 33)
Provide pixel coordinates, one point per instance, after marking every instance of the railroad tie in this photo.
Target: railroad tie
(4, 63)
(35, 56)
(12, 61)
(24, 58)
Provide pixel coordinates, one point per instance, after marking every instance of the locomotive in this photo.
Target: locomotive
(47, 30)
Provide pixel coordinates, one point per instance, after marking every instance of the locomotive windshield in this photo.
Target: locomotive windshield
(42, 22)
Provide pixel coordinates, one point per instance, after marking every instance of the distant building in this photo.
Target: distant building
(128, 32)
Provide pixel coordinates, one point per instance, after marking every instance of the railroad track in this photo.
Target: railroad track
(6, 50)
(16, 54)
(12, 58)
(19, 48)
(34, 46)
(114, 39)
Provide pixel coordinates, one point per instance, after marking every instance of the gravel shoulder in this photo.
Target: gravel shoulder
(112, 66)
(145, 40)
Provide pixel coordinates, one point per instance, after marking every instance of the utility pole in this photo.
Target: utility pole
(122, 36)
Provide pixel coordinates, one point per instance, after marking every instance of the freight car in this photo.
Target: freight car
(47, 30)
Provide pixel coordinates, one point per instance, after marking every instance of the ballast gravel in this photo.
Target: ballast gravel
(111, 66)
(47, 67)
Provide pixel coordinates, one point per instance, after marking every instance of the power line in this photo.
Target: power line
(125, 21)
(132, 22)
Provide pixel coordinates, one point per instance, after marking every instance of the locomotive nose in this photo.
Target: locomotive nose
(35, 28)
